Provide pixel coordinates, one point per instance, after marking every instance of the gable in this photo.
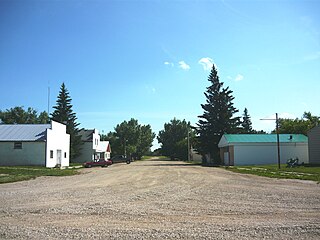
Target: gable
(314, 131)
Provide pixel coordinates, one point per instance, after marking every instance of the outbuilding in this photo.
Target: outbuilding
(255, 149)
(34, 145)
(314, 145)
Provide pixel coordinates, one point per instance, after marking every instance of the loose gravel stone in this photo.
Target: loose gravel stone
(159, 200)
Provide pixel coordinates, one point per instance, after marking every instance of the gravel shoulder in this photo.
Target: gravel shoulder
(159, 200)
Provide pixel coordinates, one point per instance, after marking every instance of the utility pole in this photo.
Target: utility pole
(278, 138)
(188, 145)
(48, 99)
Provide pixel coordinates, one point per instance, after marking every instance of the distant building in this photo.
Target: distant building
(255, 149)
(194, 156)
(34, 144)
(314, 145)
(92, 147)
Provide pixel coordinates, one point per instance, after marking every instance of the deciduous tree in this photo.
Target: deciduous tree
(298, 126)
(18, 115)
(173, 139)
(131, 138)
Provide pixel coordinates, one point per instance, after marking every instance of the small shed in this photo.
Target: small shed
(255, 149)
(34, 144)
(314, 145)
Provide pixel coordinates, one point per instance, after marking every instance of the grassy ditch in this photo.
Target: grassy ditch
(302, 172)
(14, 174)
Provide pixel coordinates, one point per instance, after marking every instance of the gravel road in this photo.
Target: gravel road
(159, 200)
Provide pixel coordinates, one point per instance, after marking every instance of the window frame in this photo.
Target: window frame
(17, 145)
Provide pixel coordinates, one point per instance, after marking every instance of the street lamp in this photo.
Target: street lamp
(278, 140)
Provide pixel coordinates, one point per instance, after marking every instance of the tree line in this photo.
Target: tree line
(219, 117)
(129, 138)
(134, 139)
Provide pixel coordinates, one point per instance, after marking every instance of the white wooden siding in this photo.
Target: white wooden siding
(268, 153)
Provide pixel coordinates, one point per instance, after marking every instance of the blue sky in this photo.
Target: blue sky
(150, 60)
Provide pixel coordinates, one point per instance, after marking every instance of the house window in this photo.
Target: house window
(51, 153)
(65, 155)
(17, 145)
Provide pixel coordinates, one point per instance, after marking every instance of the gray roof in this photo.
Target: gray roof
(23, 132)
(86, 135)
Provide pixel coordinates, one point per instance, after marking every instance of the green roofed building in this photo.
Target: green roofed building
(255, 149)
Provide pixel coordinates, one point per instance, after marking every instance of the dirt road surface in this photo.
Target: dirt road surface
(159, 200)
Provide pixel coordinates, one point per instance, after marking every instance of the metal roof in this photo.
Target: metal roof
(86, 135)
(265, 138)
(23, 132)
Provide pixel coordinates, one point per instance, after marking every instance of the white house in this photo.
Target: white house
(93, 147)
(314, 145)
(34, 144)
(255, 149)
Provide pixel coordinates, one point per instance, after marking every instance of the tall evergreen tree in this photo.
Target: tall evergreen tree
(246, 122)
(63, 113)
(217, 119)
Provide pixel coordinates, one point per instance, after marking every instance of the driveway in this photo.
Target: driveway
(159, 200)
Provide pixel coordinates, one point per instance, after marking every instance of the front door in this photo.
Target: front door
(59, 156)
(226, 159)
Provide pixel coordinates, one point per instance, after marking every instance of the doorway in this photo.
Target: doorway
(59, 157)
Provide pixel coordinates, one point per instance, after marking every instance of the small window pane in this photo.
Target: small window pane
(17, 145)
(51, 153)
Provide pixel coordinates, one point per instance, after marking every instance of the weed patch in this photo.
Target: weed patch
(302, 172)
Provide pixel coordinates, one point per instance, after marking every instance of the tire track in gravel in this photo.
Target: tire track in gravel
(159, 200)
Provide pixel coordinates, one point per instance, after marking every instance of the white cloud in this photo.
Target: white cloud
(238, 78)
(169, 63)
(206, 63)
(183, 65)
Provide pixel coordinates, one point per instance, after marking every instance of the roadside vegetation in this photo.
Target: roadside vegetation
(15, 174)
(306, 172)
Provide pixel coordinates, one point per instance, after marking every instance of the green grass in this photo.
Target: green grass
(302, 172)
(146, 158)
(157, 157)
(21, 173)
(75, 164)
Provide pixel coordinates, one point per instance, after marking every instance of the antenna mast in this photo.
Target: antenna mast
(48, 98)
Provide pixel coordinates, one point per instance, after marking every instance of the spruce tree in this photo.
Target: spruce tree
(246, 122)
(63, 113)
(217, 119)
